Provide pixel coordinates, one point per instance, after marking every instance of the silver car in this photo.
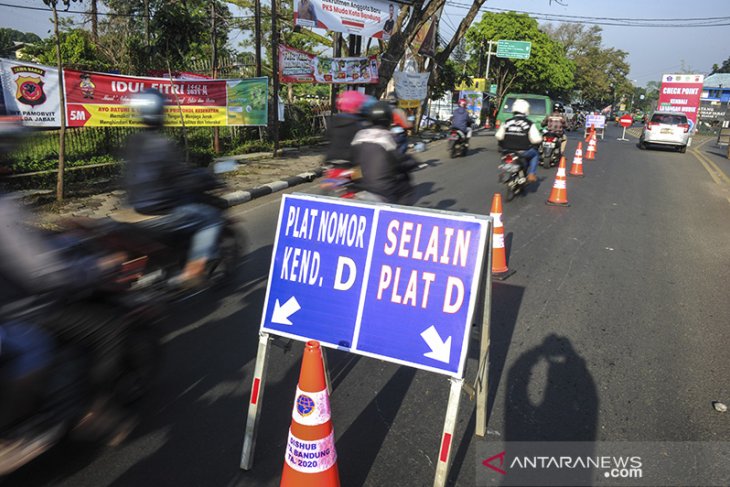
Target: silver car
(666, 128)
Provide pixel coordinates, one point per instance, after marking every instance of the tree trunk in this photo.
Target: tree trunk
(214, 65)
(93, 11)
(62, 96)
(400, 41)
(275, 75)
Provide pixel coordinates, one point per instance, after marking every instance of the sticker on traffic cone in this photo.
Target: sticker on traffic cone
(310, 459)
(595, 145)
(591, 151)
(577, 168)
(500, 270)
(559, 194)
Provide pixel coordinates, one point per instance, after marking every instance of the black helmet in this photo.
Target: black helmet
(558, 107)
(381, 114)
(149, 106)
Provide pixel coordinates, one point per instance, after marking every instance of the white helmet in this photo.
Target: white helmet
(521, 106)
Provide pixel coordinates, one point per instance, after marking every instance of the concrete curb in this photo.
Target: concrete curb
(239, 197)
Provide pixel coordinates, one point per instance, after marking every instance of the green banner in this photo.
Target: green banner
(248, 101)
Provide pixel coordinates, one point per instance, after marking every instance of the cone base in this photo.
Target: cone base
(501, 276)
(576, 175)
(553, 203)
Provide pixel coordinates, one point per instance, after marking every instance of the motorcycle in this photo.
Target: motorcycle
(513, 174)
(339, 180)
(162, 254)
(52, 402)
(550, 150)
(458, 143)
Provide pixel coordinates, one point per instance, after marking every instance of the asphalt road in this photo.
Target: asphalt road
(614, 327)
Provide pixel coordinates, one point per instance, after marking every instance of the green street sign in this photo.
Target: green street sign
(514, 49)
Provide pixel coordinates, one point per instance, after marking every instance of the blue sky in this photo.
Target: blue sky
(652, 50)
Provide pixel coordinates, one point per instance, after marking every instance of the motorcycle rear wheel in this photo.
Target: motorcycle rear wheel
(223, 269)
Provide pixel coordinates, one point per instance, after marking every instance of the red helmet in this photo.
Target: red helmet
(463, 102)
(350, 101)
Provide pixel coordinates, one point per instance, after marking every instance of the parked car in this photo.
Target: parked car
(540, 107)
(667, 129)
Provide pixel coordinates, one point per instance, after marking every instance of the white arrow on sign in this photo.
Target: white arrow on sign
(440, 350)
(282, 313)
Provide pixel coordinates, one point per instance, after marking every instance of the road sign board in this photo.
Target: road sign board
(626, 120)
(597, 121)
(514, 49)
(493, 89)
(395, 283)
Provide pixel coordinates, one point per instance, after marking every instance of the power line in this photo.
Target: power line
(83, 12)
(611, 21)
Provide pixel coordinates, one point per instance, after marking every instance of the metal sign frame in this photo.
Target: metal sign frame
(479, 314)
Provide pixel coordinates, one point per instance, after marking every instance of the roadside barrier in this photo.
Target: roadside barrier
(559, 194)
(500, 270)
(310, 459)
(577, 168)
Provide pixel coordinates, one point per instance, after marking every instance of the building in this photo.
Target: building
(717, 88)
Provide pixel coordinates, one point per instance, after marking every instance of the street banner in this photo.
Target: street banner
(473, 103)
(102, 100)
(31, 91)
(681, 93)
(712, 110)
(296, 66)
(391, 282)
(411, 87)
(367, 18)
(472, 84)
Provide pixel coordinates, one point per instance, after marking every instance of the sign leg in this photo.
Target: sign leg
(254, 405)
(482, 379)
(447, 438)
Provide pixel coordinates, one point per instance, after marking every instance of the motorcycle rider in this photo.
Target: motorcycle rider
(557, 124)
(461, 120)
(344, 125)
(520, 134)
(385, 171)
(33, 273)
(159, 183)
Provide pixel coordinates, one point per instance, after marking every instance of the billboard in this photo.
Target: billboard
(30, 91)
(681, 93)
(102, 100)
(411, 88)
(296, 66)
(367, 18)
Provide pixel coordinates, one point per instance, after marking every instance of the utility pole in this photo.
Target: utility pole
(275, 75)
(214, 48)
(93, 12)
(336, 52)
(147, 27)
(257, 34)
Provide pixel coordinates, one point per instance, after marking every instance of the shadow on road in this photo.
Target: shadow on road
(358, 447)
(563, 406)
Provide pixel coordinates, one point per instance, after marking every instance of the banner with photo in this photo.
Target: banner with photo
(367, 18)
(297, 66)
(102, 100)
(31, 92)
(473, 103)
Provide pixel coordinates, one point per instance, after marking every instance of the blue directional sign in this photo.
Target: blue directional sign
(395, 283)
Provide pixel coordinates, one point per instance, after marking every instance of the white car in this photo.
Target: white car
(667, 129)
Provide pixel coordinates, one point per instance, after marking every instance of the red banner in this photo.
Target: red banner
(681, 93)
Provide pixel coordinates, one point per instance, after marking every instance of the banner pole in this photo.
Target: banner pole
(275, 75)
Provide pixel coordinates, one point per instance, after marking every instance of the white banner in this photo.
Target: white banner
(367, 18)
(31, 92)
(411, 86)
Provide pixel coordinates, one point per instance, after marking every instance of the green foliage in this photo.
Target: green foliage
(600, 73)
(8, 37)
(547, 71)
(77, 51)
(724, 68)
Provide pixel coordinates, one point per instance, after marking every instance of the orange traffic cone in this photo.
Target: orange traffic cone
(499, 254)
(577, 168)
(310, 458)
(591, 151)
(559, 194)
(595, 145)
(591, 133)
(488, 124)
